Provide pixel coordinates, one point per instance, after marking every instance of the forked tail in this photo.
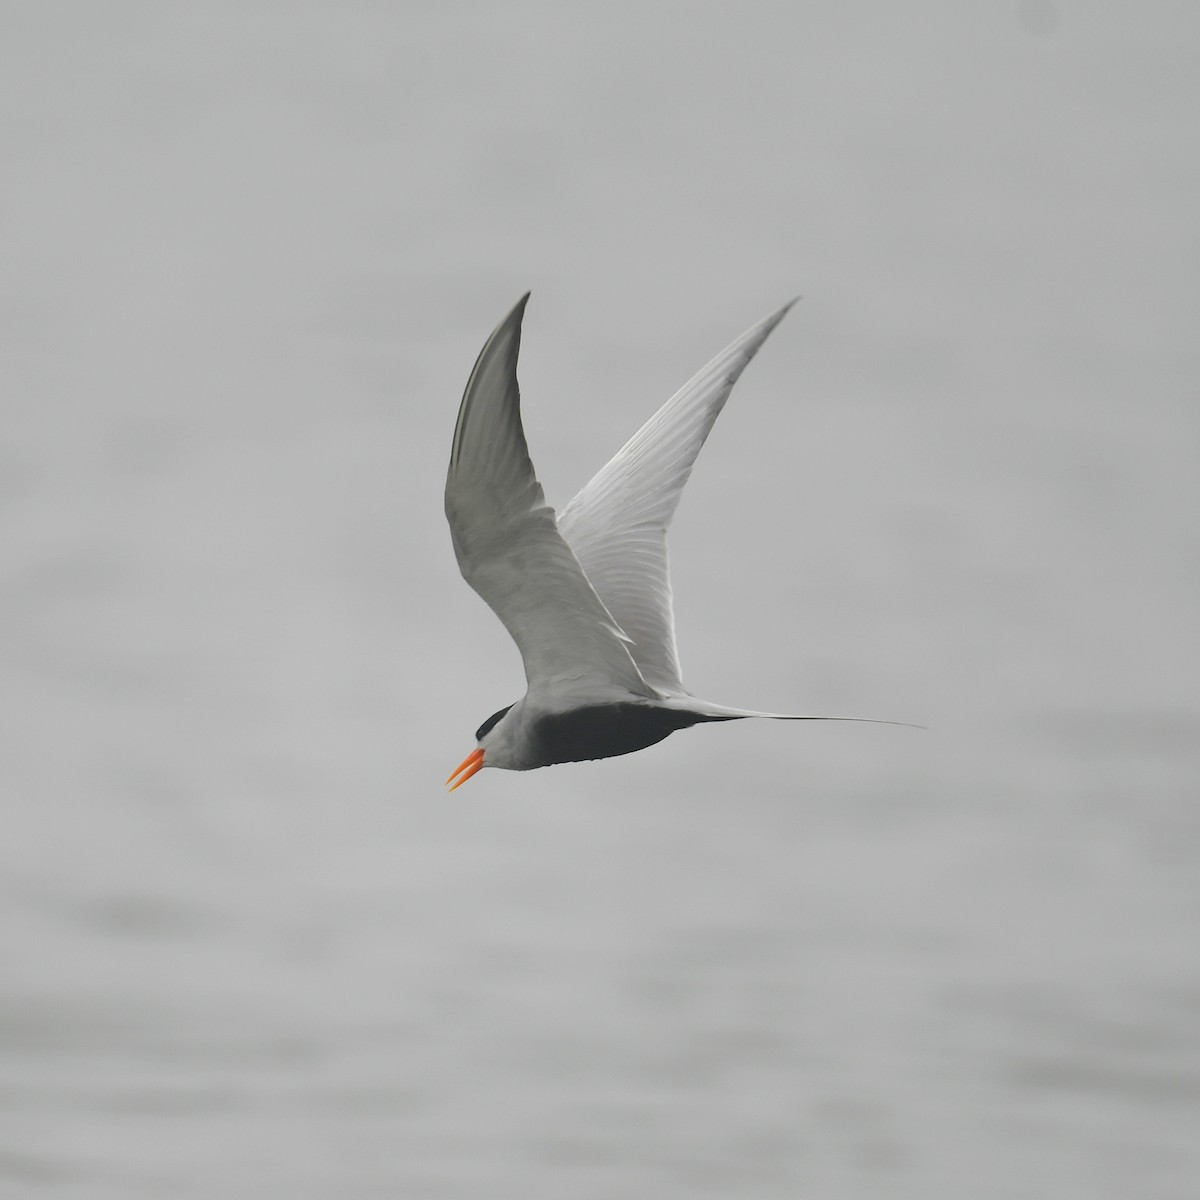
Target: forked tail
(719, 712)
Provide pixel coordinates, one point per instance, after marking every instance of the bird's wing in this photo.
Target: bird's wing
(507, 542)
(617, 525)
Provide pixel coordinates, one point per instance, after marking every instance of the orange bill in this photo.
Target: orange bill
(469, 765)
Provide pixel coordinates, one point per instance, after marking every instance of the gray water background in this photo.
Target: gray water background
(247, 256)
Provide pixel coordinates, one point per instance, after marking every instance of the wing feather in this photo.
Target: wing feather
(507, 541)
(617, 525)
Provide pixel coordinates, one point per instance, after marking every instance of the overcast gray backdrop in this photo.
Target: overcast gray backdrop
(248, 253)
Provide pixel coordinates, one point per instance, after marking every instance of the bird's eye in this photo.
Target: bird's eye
(489, 724)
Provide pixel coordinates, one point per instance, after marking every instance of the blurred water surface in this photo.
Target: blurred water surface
(247, 256)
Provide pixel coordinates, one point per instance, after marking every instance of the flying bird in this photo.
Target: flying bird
(586, 594)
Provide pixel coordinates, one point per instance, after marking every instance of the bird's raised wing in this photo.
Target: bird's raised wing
(617, 525)
(507, 542)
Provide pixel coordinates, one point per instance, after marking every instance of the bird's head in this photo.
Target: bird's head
(488, 738)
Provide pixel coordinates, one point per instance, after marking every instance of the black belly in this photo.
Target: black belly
(606, 730)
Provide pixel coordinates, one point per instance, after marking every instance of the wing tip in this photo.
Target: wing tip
(513, 318)
(778, 315)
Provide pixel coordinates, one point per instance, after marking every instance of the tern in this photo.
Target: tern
(586, 594)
